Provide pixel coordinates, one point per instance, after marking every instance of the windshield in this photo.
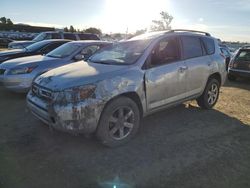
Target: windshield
(41, 36)
(121, 53)
(243, 56)
(36, 46)
(64, 50)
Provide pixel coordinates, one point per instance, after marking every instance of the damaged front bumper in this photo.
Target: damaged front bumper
(78, 117)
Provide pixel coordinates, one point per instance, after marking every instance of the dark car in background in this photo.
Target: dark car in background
(42, 47)
(53, 35)
(225, 51)
(4, 42)
(239, 66)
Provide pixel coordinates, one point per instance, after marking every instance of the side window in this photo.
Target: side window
(56, 35)
(69, 36)
(50, 47)
(209, 45)
(48, 36)
(88, 51)
(88, 37)
(165, 51)
(83, 37)
(191, 47)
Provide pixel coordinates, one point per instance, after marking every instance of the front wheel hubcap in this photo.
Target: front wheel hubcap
(212, 94)
(121, 122)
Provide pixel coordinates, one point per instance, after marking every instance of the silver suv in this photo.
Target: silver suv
(110, 93)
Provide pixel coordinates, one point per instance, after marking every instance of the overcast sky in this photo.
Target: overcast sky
(226, 19)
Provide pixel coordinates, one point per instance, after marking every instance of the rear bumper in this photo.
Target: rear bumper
(81, 117)
(239, 73)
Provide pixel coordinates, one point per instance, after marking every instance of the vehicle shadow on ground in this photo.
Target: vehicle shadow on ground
(172, 145)
(241, 83)
(6, 94)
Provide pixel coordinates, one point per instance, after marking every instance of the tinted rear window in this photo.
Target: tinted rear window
(56, 35)
(209, 45)
(88, 37)
(69, 36)
(243, 55)
(191, 47)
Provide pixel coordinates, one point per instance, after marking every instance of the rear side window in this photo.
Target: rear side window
(69, 36)
(209, 45)
(191, 47)
(88, 37)
(56, 36)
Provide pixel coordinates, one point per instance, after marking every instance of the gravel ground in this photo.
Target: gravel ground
(180, 147)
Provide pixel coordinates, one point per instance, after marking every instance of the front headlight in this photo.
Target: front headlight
(24, 70)
(75, 94)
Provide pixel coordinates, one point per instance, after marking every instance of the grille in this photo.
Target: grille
(2, 71)
(41, 92)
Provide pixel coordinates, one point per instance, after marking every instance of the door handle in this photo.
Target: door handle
(209, 64)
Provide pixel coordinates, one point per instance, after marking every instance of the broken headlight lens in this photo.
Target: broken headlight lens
(76, 94)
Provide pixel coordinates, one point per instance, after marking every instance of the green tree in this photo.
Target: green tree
(9, 22)
(164, 23)
(140, 31)
(3, 20)
(72, 29)
(93, 30)
(66, 29)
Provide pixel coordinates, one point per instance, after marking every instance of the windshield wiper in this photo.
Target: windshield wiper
(108, 62)
(52, 56)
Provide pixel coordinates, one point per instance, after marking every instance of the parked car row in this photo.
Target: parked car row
(17, 74)
(106, 89)
(4, 42)
(39, 48)
(53, 35)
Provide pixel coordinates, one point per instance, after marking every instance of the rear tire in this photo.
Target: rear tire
(119, 122)
(210, 95)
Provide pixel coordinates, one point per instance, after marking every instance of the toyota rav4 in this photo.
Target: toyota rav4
(110, 93)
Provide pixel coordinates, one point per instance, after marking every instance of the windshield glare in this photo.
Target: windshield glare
(36, 46)
(64, 51)
(121, 53)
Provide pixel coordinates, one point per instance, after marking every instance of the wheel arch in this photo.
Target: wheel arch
(133, 96)
(216, 76)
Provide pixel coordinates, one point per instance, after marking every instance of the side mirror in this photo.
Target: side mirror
(79, 57)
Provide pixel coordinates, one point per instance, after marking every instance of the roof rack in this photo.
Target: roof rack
(186, 30)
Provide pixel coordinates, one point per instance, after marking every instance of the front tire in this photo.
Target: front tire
(210, 95)
(119, 122)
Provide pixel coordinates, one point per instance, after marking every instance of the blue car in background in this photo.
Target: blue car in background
(17, 74)
(42, 47)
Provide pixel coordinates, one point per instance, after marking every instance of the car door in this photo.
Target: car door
(198, 63)
(165, 74)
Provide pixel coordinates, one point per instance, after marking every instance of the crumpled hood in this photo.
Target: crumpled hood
(26, 60)
(10, 52)
(77, 74)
